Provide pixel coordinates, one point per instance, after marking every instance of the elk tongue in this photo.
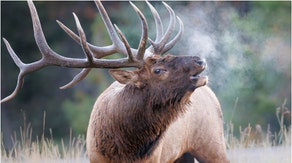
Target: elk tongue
(198, 80)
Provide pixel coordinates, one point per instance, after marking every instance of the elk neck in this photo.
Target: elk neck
(139, 121)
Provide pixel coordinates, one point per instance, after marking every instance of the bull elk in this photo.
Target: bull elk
(162, 111)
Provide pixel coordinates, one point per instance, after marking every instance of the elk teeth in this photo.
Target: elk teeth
(194, 77)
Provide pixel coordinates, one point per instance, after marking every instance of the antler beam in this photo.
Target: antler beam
(93, 54)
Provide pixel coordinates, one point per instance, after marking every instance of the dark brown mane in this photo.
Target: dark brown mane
(136, 128)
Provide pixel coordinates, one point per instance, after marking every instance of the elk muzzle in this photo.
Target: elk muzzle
(197, 79)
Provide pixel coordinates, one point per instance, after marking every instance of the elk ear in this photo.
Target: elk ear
(123, 76)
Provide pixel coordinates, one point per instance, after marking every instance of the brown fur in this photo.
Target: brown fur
(150, 117)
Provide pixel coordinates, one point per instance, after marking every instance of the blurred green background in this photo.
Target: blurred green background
(247, 46)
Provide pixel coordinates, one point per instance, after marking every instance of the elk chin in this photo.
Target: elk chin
(199, 81)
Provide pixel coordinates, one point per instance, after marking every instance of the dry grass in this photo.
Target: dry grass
(253, 145)
(262, 146)
(44, 150)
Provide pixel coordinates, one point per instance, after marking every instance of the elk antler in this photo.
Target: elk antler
(134, 57)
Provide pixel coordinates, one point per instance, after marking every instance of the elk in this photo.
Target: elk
(162, 111)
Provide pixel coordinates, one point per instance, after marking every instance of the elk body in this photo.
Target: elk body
(161, 112)
(157, 116)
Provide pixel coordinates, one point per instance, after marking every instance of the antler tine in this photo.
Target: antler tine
(160, 45)
(159, 30)
(79, 77)
(83, 39)
(158, 22)
(171, 43)
(126, 43)
(98, 52)
(110, 28)
(171, 26)
(21, 74)
(144, 36)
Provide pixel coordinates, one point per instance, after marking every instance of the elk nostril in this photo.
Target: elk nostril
(201, 62)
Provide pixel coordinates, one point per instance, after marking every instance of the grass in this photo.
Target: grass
(251, 137)
(253, 145)
(27, 150)
(256, 145)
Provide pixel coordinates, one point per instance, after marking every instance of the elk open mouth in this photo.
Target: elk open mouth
(199, 80)
(196, 78)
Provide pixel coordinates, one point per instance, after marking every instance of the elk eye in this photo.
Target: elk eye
(158, 71)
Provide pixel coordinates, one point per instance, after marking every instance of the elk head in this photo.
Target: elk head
(152, 68)
(181, 72)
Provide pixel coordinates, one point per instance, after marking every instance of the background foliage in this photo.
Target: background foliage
(247, 46)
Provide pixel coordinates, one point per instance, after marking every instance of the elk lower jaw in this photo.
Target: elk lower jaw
(135, 132)
(198, 80)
